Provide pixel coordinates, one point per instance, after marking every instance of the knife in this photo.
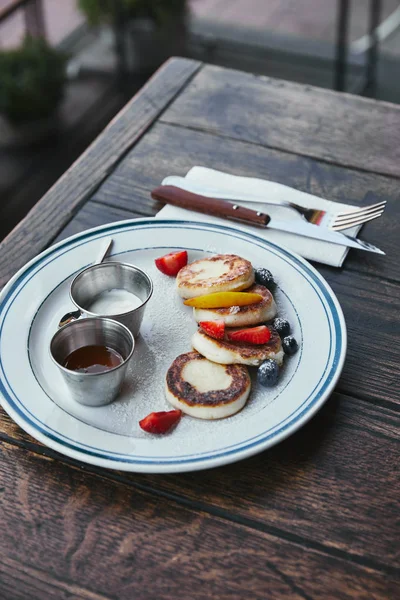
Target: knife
(176, 196)
(190, 186)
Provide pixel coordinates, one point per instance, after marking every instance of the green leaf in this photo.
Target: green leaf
(32, 80)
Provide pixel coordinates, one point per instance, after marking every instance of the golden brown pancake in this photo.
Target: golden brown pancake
(220, 273)
(241, 316)
(204, 389)
(226, 352)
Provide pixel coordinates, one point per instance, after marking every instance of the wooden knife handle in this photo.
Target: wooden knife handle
(170, 194)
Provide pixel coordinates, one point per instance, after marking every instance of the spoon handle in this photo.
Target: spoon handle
(105, 249)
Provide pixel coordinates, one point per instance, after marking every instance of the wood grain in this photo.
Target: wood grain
(115, 542)
(48, 216)
(19, 582)
(93, 214)
(332, 486)
(168, 150)
(337, 128)
(370, 306)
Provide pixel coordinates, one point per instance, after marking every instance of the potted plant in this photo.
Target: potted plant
(32, 84)
(149, 31)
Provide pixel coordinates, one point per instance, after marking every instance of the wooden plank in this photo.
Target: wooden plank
(337, 128)
(168, 150)
(317, 484)
(114, 541)
(370, 307)
(57, 207)
(19, 582)
(334, 483)
(93, 214)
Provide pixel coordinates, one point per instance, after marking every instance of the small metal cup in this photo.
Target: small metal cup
(93, 389)
(94, 280)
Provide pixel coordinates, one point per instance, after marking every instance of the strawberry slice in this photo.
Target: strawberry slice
(252, 335)
(172, 263)
(160, 422)
(215, 329)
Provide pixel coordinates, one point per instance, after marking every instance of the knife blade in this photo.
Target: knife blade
(176, 196)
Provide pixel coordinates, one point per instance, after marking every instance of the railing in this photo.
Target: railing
(33, 15)
(342, 45)
(35, 26)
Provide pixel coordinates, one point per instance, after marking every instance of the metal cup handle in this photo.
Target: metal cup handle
(75, 314)
(68, 317)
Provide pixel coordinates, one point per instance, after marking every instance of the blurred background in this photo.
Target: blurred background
(68, 66)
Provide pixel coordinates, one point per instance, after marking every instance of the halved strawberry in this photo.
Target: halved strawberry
(252, 335)
(160, 422)
(172, 263)
(215, 329)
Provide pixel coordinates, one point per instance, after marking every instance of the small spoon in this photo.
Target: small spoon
(75, 314)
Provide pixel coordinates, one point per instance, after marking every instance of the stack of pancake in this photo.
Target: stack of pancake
(213, 382)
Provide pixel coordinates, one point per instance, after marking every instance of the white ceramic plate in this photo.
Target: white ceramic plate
(35, 396)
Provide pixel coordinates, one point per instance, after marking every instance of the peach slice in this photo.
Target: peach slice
(224, 300)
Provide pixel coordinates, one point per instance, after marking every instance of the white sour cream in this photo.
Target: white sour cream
(114, 302)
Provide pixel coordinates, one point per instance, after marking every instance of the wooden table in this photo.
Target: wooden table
(316, 516)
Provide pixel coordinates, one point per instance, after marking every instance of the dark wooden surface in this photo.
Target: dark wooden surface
(314, 517)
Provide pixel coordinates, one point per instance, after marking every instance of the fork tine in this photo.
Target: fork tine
(369, 206)
(361, 211)
(358, 218)
(354, 222)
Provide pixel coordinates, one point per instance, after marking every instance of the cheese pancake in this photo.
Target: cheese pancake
(220, 273)
(204, 389)
(226, 352)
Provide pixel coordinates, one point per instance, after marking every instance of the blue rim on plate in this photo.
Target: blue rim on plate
(14, 405)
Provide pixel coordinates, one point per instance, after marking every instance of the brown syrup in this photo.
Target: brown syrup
(92, 359)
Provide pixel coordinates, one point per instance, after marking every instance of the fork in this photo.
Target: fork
(342, 220)
(337, 221)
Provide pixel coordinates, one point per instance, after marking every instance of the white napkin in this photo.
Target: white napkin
(323, 252)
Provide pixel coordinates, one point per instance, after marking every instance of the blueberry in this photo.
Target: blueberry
(264, 277)
(268, 372)
(289, 345)
(282, 326)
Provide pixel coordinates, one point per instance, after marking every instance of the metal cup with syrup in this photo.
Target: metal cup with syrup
(93, 388)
